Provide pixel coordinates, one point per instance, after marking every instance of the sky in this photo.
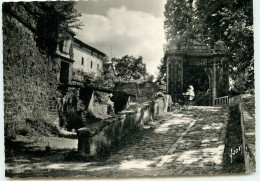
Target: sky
(121, 27)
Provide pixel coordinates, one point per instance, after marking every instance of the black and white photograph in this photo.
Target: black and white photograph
(128, 89)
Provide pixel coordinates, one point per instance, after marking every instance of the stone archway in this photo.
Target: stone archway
(215, 63)
(200, 81)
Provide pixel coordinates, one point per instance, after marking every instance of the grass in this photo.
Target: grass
(233, 163)
(249, 105)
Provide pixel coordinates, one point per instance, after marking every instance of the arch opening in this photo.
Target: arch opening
(199, 79)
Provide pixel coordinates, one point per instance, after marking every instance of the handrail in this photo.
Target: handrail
(220, 101)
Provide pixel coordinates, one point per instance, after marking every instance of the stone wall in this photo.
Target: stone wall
(175, 77)
(103, 134)
(30, 77)
(248, 132)
(143, 91)
(98, 104)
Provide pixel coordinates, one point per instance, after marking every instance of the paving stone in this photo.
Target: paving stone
(192, 147)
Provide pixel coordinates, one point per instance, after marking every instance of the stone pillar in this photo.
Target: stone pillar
(210, 77)
(221, 66)
(225, 76)
(214, 82)
(175, 77)
(167, 75)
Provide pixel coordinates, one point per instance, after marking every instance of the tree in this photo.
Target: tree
(162, 68)
(178, 18)
(129, 67)
(231, 22)
(50, 22)
(209, 21)
(179, 28)
(149, 78)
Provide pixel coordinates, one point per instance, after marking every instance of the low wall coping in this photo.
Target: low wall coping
(86, 134)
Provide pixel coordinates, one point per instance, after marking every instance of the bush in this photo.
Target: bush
(14, 128)
(29, 127)
(42, 127)
(71, 120)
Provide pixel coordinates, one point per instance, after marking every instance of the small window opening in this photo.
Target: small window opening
(82, 61)
(91, 64)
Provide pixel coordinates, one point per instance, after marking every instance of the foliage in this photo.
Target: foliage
(178, 16)
(178, 27)
(30, 127)
(129, 67)
(209, 21)
(162, 68)
(249, 104)
(106, 79)
(231, 22)
(74, 113)
(149, 78)
(51, 21)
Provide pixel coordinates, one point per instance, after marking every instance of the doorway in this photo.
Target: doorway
(199, 79)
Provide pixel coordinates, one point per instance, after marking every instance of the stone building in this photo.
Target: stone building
(78, 56)
(87, 58)
(206, 68)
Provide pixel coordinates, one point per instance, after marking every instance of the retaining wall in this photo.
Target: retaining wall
(248, 133)
(30, 77)
(97, 136)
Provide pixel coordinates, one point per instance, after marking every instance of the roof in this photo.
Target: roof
(107, 65)
(89, 47)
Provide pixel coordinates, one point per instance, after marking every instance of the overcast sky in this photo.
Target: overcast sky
(133, 27)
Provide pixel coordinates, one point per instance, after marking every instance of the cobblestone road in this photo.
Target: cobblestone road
(184, 143)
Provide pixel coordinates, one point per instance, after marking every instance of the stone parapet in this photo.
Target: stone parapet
(103, 134)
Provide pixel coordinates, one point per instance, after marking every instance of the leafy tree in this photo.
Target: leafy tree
(209, 21)
(178, 18)
(179, 29)
(129, 67)
(231, 22)
(59, 19)
(162, 69)
(50, 22)
(149, 78)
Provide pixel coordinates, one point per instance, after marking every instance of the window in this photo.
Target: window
(64, 46)
(64, 72)
(82, 61)
(97, 66)
(61, 45)
(91, 64)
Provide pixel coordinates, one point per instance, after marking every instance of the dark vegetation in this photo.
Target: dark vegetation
(210, 21)
(50, 22)
(233, 141)
(249, 104)
(75, 113)
(31, 127)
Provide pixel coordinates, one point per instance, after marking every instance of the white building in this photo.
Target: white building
(77, 55)
(87, 58)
